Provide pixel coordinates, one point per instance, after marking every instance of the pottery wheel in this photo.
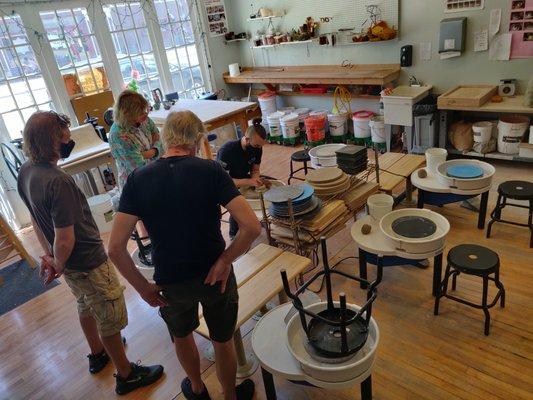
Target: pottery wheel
(414, 227)
(324, 175)
(283, 194)
(326, 339)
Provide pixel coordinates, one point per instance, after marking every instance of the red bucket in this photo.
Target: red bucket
(315, 127)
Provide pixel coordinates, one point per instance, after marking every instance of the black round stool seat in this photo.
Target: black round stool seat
(517, 190)
(473, 259)
(301, 156)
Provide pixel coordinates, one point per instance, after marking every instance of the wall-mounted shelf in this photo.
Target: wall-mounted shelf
(237, 40)
(494, 155)
(353, 95)
(264, 18)
(270, 46)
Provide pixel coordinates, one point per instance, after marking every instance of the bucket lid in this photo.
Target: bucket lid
(266, 95)
(292, 117)
(276, 115)
(301, 111)
(362, 114)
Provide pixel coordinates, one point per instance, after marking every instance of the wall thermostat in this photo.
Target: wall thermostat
(507, 87)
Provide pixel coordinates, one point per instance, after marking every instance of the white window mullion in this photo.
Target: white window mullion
(46, 60)
(107, 49)
(204, 55)
(156, 37)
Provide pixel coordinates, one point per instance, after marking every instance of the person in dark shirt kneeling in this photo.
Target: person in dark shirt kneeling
(178, 197)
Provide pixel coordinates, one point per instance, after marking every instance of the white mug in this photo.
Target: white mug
(234, 69)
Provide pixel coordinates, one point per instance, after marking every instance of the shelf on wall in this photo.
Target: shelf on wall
(237, 40)
(353, 95)
(270, 46)
(494, 155)
(264, 18)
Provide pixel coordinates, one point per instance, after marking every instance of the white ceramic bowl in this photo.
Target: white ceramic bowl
(466, 184)
(415, 245)
(360, 363)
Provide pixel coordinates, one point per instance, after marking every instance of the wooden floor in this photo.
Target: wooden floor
(420, 356)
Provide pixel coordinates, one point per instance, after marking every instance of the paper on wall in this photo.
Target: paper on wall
(495, 20)
(425, 51)
(449, 54)
(481, 40)
(500, 47)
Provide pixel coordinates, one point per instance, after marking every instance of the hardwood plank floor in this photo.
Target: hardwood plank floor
(42, 350)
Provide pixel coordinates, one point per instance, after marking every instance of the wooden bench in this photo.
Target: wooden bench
(258, 280)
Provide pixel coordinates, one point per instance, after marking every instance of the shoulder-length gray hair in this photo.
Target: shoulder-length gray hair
(182, 128)
(128, 107)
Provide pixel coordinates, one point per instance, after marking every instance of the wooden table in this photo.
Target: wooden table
(394, 168)
(269, 345)
(375, 248)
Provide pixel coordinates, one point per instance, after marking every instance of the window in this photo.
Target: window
(178, 37)
(22, 87)
(76, 50)
(132, 44)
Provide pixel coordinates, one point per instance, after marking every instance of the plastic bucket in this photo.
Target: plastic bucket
(102, 210)
(290, 126)
(267, 103)
(337, 124)
(482, 131)
(274, 123)
(511, 129)
(303, 113)
(361, 127)
(379, 205)
(315, 127)
(435, 157)
(377, 129)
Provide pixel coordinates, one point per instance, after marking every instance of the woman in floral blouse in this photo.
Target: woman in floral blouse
(133, 138)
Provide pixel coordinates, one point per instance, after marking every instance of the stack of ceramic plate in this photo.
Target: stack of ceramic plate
(301, 196)
(328, 181)
(352, 159)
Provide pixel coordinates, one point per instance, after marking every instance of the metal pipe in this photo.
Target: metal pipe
(327, 273)
(344, 338)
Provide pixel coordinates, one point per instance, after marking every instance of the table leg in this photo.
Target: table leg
(408, 190)
(362, 268)
(437, 273)
(246, 363)
(366, 389)
(268, 382)
(483, 210)
(420, 203)
(243, 123)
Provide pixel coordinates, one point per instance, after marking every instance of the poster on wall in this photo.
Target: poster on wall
(463, 5)
(521, 28)
(216, 17)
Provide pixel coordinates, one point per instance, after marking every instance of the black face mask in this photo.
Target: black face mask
(66, 148)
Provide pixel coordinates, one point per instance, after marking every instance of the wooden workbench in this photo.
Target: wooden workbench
(362, 74)
(394, 168)
(513, 105)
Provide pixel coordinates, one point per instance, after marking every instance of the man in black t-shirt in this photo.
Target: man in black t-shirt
(178, 197)
(242, 159)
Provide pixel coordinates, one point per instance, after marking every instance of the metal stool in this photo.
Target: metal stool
(515, 190)
(303, 157)
(472, 259)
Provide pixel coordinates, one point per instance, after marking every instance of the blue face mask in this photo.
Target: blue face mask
(66, 148)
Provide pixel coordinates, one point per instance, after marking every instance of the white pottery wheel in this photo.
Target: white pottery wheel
(360, 363)
(415, 245)
(466, 184)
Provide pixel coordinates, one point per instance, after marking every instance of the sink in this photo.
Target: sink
(411, 94)
(398, 106)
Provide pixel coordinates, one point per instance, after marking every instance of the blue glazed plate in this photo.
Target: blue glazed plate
(306, 195)
(464, 171)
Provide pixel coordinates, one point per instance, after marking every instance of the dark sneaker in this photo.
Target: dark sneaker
(186, 388)
(139, 376)
(245, 390)
(97, 362)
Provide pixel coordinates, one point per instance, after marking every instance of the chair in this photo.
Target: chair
(301, 156)
(13, 157)
(514, 190)
(472, 259)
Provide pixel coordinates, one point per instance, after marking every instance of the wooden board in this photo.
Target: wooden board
(467, 95)
(508, 105)
(95, 104)
(356, 197)
(362, 74)
(254, 261)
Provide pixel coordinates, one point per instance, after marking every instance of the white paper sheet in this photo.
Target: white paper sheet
(425, 51)
(449, 54)
(495, 20)
(500, 47)
(481, 40)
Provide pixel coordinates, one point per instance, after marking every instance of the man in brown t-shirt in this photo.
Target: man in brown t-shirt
(72, 247)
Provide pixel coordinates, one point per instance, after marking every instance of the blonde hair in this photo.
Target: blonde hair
(128, 107)
(182, 128)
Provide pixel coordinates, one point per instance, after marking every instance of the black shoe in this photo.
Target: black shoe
(139, 376)
(186, 388)
(245, 390)
(97, 362)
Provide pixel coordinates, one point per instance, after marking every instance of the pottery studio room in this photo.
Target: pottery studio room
(345, 185)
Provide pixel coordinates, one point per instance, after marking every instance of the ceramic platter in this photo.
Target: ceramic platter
(349, 369)
(283, 212)
(251, 193)
(282, 194)
(324, 175)
(414, 230)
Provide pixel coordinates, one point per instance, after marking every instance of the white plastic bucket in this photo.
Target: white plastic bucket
(267, 103)
(379, 205)
(361, 127)
(435, 157)
(482, 131)
(511, 129)
(274, 123)
(287, 110)
(290, 126)
(377, 129)
(337, 124)
(102, 210)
